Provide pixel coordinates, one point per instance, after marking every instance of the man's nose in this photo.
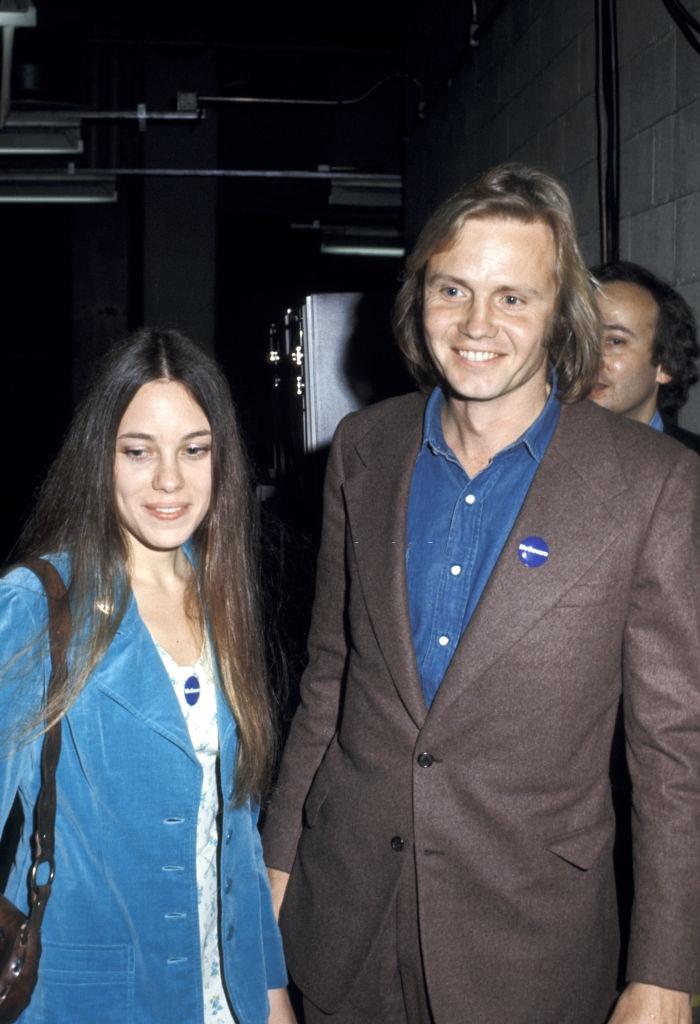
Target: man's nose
(477, 319)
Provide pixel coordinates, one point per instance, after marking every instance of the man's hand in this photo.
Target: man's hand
(649, 1004)
(281, 1011)
(278, 887)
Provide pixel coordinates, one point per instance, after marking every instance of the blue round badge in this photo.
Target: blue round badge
(192, 690)
(533, 551)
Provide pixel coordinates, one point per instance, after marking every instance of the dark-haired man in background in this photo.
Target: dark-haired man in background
(500, 561)
(650, 348)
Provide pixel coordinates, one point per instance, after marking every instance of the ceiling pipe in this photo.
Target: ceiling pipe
(50, 118)
(389, 181)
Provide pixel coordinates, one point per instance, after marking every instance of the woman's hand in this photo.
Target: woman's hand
(281, 1011)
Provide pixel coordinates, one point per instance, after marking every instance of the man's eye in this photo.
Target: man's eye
(615, 341)
(451, 291)
(512, 300)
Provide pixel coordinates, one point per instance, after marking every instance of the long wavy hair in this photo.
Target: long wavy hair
(76, 513)
(511, 192)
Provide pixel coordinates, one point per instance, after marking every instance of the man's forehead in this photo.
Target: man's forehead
(628, 301)
(463, 225)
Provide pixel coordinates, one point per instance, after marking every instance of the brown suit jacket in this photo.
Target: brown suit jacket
(511, 825)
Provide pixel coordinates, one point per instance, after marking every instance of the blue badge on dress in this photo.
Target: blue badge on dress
(192, 690)
(533, 551)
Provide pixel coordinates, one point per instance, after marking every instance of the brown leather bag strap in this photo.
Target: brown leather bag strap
(59, 627)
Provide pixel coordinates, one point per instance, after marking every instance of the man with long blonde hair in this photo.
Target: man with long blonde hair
(502, 564)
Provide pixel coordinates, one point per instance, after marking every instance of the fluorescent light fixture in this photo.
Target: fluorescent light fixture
(348, 249)
(56, 188)
(40, 142)
(18, 15)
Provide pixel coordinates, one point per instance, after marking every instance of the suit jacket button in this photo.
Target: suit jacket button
(425, 760)
(397, 844)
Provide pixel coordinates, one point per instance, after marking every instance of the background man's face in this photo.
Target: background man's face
(627, 382)
(489, 301)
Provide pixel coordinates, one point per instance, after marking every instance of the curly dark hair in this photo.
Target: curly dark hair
(675, 347)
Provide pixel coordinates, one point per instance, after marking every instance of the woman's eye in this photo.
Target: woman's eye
(135, 453)
(614, 341)
(451, 291)
(197, 451)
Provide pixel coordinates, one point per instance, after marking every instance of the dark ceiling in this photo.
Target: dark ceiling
(353, 64)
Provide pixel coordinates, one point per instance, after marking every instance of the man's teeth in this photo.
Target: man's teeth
(477, 357)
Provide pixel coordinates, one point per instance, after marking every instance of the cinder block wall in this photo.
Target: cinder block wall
(527, 92)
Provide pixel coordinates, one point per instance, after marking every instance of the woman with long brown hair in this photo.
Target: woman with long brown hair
(160, 909)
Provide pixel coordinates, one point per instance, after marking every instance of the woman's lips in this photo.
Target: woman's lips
(167, 513)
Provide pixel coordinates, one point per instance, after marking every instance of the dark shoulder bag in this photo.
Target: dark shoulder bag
(20, 934)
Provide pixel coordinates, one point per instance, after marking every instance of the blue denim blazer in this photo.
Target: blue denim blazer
(121, 935)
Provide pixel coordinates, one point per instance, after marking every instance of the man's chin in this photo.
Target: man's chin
(600, 394)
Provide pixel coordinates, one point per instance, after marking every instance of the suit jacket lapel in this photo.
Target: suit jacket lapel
(566, 507)
(376, 498)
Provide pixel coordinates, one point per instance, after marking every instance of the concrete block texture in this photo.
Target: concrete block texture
(653, 83)
(587, 60)
(563, 21)
(523, 62)
(583, 189)
(689, 417)
(687, 149)
(640, 23)
(580, 133)
(653, 240)
(664, 187)
(625, 239)
(525, 116)
(529, 152)
(552, 147)
(636, 173)
(590, 248)
(688, 240)
(529, 94)
(560, 82)
(687, 72)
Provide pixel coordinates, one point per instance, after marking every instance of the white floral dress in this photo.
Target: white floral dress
(200, 715)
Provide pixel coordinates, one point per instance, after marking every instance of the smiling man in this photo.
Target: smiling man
(501, 561)
(650, 348)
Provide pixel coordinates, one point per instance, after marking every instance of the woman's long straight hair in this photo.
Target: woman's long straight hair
(76, 513)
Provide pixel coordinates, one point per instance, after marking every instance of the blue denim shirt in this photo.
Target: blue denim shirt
(457, 527)
(656, 422)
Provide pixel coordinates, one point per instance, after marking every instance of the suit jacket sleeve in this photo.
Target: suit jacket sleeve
(315, 721)
(661, 680)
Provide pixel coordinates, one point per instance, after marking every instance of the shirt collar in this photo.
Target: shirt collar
(656, 422)
(535, 439)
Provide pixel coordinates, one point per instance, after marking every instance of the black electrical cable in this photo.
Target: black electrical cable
(608, 115)
(687, 24)
(613, 103)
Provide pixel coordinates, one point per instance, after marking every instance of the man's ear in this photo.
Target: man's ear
(662, 377)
